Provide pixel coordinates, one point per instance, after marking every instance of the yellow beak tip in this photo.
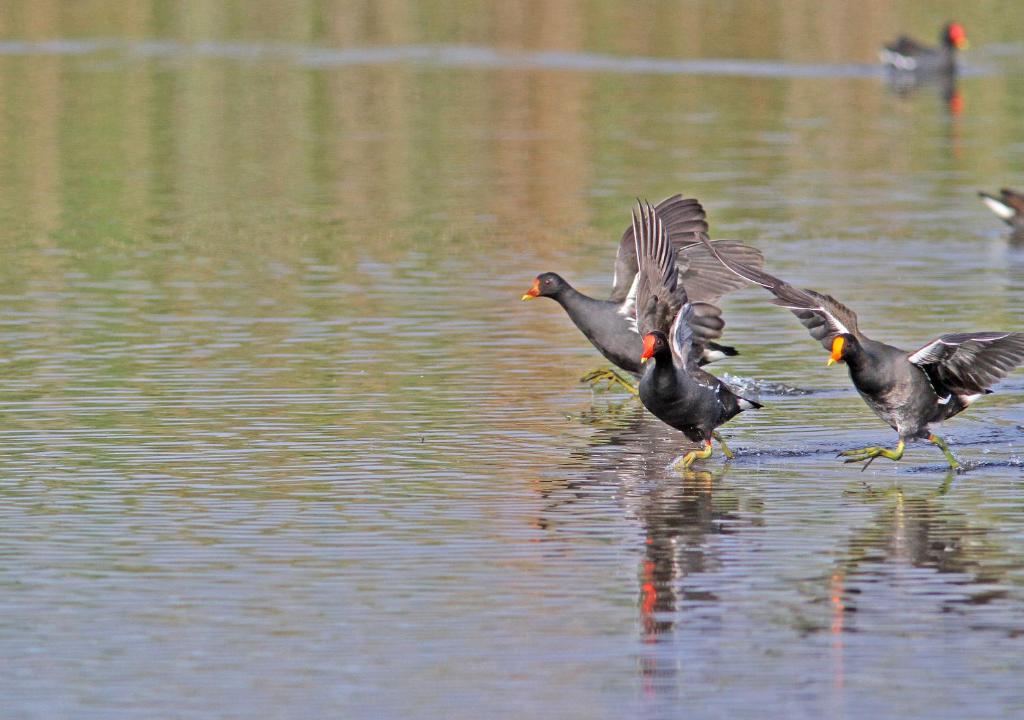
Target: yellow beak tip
(527, 297)
(643, 360)
(831, 361)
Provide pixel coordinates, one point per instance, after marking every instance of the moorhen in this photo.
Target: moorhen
(908, 390)
(610, 324)
(676, 331)
(907, 55)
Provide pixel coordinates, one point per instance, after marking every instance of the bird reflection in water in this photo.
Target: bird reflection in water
(906, 85)
(678, 517)
(918, 532)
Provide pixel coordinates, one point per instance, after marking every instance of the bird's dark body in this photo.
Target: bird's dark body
(693, 402)
(900, 392)
(907, 55)
(612, 333)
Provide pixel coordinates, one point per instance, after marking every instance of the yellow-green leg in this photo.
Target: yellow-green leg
(953, 464)
(610, 376)
(687, 459)
(867, 455)
(725, 448)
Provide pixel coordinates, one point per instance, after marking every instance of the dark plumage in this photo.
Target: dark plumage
(906, 55)
(675, 333)
(610, 324)
(909, 391)
(1009, 206)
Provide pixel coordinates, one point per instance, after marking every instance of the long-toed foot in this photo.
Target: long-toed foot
(687, 460)
(610, 376)
(867, 455)
(725, 448)
(953, 464)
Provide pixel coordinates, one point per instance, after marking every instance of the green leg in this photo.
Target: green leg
(687, 459)
(867, 455)
(725, 448)
(610, 376)
(953, 464)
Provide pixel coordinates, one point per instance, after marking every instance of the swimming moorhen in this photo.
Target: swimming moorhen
(610, 324)
(676, 331)
(907, 55)
(908, 390)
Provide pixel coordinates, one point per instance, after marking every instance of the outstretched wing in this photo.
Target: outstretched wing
(682, 217)
(658, 294)
(707, 280)
(661, 300)
(822, 315)
(698, 323)
(968, 363)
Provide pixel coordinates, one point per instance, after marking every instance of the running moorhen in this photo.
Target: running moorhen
(676, 332)
(908, 390)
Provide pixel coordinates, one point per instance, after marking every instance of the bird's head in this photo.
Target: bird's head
(545, 285)
(843, 346)
(655, 343)
(953, 36)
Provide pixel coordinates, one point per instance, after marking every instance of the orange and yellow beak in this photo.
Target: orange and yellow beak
(649, 341)
(534, 290)
(837, 351)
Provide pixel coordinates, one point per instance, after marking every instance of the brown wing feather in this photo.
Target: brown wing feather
(968, 363)
(681, 217)
(658, 295)
(705, 278)
(822, 315)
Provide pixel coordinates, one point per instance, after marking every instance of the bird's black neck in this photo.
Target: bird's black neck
(576, 304)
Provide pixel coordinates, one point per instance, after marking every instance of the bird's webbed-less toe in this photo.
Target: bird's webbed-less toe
(869, 454)
(611, 376)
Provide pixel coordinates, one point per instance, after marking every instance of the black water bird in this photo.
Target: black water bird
(908, 390)
(676, 332)
(610, 324)
(1009, 206)
(906, 55)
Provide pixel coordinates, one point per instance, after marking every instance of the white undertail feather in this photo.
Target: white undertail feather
(1004, 211)
(968, 399)
(900, 62)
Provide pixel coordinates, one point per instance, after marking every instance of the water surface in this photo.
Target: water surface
(279, 438)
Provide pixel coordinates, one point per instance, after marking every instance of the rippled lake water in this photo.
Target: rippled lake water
(279, 440)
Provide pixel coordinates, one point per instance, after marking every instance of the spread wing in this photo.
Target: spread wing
(661, 301)
(682, 217)
(968, 363)
(658, 295)
(822, 315)
(698, 323)
(707, 280)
